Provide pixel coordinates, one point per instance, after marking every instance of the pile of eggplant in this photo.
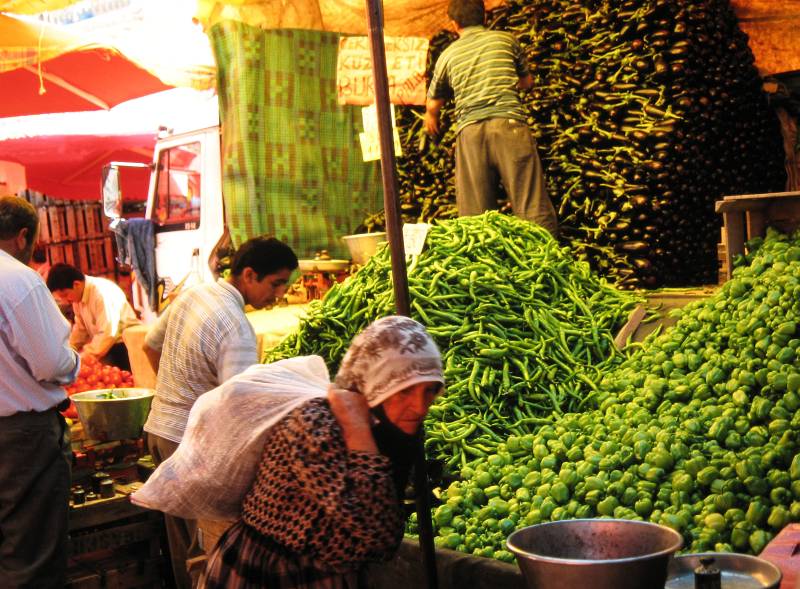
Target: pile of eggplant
(645, 111)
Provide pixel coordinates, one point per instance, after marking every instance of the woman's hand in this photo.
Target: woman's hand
(352, 413)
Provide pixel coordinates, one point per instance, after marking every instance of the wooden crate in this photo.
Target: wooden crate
(58, 224)
(108, 251)
(783, 552)
(746, 216)
(55, 252)
(93, 222)
(44, 225)
(81, 577)
(69, 253)
(70, 217)
(97, 257)
(82, 248)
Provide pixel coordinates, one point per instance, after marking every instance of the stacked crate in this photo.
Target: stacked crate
(76, 233)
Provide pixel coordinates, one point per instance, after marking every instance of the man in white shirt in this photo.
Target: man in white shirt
(35, 362)
(201, 340)
(102, 313)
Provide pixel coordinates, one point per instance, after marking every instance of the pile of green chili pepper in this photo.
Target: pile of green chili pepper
(645, 112)
(525, 330)
(697, 431)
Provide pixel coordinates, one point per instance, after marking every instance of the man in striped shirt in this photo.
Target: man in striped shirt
(202, 339)
(484, 70)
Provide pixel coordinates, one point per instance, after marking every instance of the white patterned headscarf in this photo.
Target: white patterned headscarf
(390, 355)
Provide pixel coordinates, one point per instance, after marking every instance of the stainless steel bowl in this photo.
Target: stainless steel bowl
(596, 553)
(737, 571)
(363, 245)
(113, 414)
(323, 265)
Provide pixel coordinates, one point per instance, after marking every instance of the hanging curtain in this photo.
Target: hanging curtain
(291, 161)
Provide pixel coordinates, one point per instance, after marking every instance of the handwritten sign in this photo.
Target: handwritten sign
(414, 235)
(370, 140)
(405, 66)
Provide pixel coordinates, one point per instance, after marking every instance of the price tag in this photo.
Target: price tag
(414, 235)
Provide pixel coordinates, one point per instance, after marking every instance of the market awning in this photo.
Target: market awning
(69, 166)
(46, 69)
(63, 154)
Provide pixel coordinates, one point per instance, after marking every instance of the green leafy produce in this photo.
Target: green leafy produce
(524, 329)
(697, 431)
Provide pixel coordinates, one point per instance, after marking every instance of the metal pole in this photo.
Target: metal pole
(397, 250)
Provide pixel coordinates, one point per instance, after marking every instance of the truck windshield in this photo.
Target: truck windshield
(178, 186)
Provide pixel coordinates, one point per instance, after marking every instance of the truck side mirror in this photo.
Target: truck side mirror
(112, 198)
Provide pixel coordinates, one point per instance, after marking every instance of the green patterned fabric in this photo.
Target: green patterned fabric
(292, 162)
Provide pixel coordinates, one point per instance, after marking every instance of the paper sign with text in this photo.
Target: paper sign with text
(405, 66)
(414, 235)
(370, 140)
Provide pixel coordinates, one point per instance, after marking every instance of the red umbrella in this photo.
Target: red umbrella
(45, 69)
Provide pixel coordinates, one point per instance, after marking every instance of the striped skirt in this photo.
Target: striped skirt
(245, 559)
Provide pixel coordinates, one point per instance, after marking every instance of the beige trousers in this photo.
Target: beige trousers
(504, 150)
(181, 533)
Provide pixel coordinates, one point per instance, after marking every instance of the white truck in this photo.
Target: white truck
(184, 201)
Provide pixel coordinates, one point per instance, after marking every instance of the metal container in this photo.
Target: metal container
(323, 265)
(738, 571)
(363, 245)
(596, 553)
(113, 414)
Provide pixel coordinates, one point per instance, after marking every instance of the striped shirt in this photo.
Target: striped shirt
(101, 316)
(482, 69)
(35, 356)
(204, 338)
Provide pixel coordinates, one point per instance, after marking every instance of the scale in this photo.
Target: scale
(317, 276)
(733, 571)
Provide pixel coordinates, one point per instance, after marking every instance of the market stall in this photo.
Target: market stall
(647, 112)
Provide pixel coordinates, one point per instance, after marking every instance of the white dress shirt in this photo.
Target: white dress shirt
(100, 317)
(35, 356)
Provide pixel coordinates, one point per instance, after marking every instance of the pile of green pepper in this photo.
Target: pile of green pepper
(698, 431)
(525, 330)
(645, 112)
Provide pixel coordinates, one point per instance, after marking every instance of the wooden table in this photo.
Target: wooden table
(115, 544)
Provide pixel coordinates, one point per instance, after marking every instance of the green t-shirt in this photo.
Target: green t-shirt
(482, 69)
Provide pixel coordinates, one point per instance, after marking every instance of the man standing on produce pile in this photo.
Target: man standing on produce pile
(102, 313)
(36, 361)
(484, 70)
(201, 340)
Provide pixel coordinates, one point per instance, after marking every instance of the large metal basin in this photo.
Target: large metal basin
(363, 245)
(113, 414)
(594, 553)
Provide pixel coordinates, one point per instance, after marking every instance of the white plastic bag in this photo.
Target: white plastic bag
(216, 462)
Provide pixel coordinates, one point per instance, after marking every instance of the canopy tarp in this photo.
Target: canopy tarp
(63, 154)
(69, 166)
(771, 24)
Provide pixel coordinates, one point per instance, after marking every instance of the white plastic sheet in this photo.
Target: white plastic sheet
(216, 462)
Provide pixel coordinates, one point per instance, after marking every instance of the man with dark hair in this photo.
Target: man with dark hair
(201, 340)
(484, 70)
(39, 261)
(36, 361)
(102, 313)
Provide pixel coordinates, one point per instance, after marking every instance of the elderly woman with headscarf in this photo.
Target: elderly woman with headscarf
(326, 499)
